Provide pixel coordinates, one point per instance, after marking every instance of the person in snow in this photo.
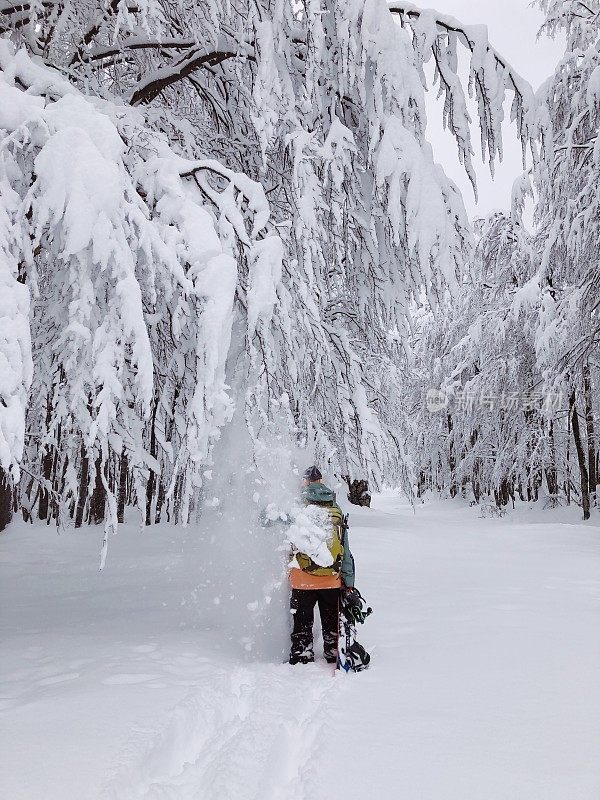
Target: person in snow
(313, 584)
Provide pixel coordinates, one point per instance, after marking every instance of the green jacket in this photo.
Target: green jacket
(348, 569)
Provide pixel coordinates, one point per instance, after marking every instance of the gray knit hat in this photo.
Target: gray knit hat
(312, 474)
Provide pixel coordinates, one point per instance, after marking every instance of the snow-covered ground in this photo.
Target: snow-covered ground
(485, 682)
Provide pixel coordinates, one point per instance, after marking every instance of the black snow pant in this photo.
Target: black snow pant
(303, 612)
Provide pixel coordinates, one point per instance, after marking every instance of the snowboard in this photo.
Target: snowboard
(352, 656)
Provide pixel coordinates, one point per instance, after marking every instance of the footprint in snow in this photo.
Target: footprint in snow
(126, 679)
(53, 679)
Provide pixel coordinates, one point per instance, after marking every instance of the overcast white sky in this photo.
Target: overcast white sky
(512, 27)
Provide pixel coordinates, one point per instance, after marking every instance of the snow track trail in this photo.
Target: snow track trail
(249, 733)
(484, 685)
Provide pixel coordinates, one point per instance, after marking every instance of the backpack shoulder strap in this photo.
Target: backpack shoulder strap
(343, 527)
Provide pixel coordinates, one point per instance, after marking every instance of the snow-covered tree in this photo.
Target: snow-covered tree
(140, 146)
(489, 429)
(565, 181)
(133, 283)
(515, 353)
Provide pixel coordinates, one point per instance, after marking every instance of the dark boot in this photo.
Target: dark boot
(306, 656)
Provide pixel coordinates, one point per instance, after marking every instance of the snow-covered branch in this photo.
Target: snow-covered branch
(150, 87)
(490, 75)
(132, 43)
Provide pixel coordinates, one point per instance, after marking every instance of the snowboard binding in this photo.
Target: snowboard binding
(353, 603)
(353, 610)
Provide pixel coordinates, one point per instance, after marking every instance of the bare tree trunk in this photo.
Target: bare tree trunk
(60, 464)
(44, 502)
(83, 486)
(25, 499)
(584, 478)
(159, 502)
(568, 461)
(150, 496)
(421, 483)
(57, 484)
(122, 493)
(590, 429)
(177, 500)
(551, 474)
(451, 459)
(476, 469)
(151, 484)
(537, 482)
(6, 499)
(503, 493)
(358, 492)
(47, 461)
(98, 498)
